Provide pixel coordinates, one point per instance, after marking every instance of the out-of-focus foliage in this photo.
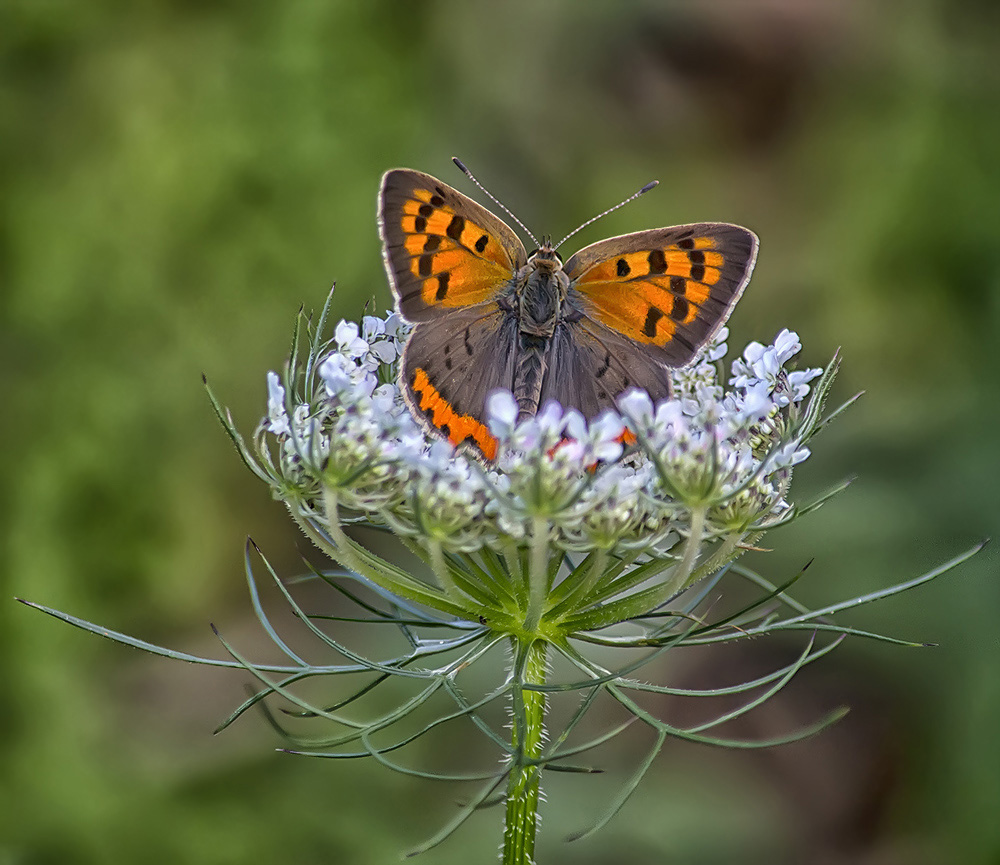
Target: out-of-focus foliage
(177, 178)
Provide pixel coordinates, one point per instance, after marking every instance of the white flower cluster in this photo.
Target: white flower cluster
(626, 479)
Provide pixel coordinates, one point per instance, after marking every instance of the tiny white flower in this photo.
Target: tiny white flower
(786, 345)
(348, 341)
(277, 416)
(717, 348)
(371, 327)
(384, 349)
(636, 406)
(550, 418)
(395, 326)
(755, 403)
(501, 413)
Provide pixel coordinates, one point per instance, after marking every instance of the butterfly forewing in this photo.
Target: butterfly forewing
(668, 289)
(442, 250)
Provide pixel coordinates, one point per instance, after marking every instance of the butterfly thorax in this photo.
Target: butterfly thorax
(541, 287)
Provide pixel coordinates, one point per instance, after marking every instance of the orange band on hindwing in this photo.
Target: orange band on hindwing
(440, 414)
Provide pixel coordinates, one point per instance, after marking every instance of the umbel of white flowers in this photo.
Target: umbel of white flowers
(727, 453)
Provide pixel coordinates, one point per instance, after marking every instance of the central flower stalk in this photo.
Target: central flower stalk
(527, 734)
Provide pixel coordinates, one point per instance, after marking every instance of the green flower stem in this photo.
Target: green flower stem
(724, 553)
(524, 781)
(538, 573)
(679, 577)
(440, 568)
(567, 595)
(350, 555)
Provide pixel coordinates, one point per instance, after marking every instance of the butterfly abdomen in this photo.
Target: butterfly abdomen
(529, 373)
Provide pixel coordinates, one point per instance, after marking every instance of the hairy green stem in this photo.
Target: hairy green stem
(538, 573)
(524, 781)
(440, 568)
(679, 576)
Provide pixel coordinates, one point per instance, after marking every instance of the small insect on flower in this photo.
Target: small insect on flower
(487, 315)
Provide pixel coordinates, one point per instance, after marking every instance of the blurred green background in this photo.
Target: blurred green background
(176, 178)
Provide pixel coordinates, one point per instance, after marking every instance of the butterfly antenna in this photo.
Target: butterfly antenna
(632, 197)
(506, 209)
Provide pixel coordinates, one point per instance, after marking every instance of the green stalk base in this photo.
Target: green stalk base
(524, 783)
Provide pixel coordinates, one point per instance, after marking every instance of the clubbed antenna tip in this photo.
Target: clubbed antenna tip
(632, 197)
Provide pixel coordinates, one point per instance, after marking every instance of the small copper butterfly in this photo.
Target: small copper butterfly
(618, 314)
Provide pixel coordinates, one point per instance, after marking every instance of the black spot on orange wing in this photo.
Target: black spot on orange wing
(679, 311)
(657, 261)
(653, 315)
(623, 268)
(442, 289)
(455, 228)
(482, 242)
(697, 259)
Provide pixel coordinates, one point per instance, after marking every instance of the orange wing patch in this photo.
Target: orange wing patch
(647, 295)
(457, 262)
(440, 413)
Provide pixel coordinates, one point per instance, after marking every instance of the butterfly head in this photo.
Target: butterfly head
(545, 258)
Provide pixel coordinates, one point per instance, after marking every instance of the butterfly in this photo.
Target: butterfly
(486, 314)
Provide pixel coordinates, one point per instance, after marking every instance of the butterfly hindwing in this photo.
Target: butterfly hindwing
(442, 250)
(590, 365)
(667, 290)
(451, 364)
